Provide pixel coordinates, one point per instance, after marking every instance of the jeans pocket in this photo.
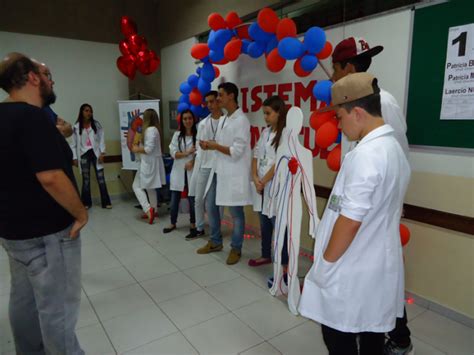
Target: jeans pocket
(34, 260)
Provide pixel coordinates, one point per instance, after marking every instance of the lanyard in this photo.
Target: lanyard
(266, 143)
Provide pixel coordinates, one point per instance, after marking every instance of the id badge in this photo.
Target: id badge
(335, 203)
(263, 162)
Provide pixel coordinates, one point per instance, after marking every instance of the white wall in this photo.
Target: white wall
(82, 71)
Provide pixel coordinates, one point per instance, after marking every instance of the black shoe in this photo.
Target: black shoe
(193, 234)
(170, 229)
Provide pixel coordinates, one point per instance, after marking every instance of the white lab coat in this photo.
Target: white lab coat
(97, 141)
(152, 168)
(178, 170)
(233, 172)
(392, 115)
(363, 291)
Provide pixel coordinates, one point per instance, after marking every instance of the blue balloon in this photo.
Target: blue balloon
(182, 107)
(205, 112)
(198, 71)
(196, 110)
(203, 86)
(211, 41)
(185, 88)
(245, 45)
(339, 137)
(322, 91)
(221, 38)
(290, 48)
(256, 49)
(272, 44)
(309, 62)
(217, 55)
(184, 98)
(193, 80)
(257, 34)
(314, 40)
(207, 72)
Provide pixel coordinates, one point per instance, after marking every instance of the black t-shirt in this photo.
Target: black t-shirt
(29, 144)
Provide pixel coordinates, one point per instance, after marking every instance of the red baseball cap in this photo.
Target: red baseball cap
(352, 47)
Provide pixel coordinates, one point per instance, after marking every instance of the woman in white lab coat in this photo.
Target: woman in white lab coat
(151, 172)
(183, 150)
(263, 169)
(89, 146)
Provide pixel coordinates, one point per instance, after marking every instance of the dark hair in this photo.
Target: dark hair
(14, 71)
(182, 129)
(211, 93)
(230, 88)
(277, 105)
(80, 119)
(361, 63)
(370, 103)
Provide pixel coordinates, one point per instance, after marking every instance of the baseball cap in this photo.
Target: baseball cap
(351, 88)
(352, 47)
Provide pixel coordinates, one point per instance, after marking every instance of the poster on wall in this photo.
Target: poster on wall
(458, 89)
(131, 121)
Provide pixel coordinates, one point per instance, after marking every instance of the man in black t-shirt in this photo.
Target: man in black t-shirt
(42, 242)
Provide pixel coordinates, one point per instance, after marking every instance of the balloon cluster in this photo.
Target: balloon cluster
(269, 36)
(135, 52)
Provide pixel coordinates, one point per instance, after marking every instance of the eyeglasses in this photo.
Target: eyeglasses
(48, 75)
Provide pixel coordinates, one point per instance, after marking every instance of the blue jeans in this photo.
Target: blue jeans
(174, 207)
(267, 226)
(88, 159)
(214, 215)
(45, 293)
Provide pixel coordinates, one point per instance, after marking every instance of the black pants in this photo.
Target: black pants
(340, 343)
(401, 334)
(176, 198)
(86, 160)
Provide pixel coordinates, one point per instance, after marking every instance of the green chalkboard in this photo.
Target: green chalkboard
(428, 59)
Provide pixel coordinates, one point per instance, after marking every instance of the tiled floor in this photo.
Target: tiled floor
(149, 293)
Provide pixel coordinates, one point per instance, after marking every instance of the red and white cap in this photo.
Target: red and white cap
(352, 47)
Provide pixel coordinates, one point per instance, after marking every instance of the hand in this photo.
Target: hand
(203, 145)
(75, 163)
(135, 148)
(191, 150)
(78, 225)
(101, 158)
(259, 186)
(189, 165)
(212, 145)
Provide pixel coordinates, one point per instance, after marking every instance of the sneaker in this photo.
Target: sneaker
(194, 233)
(169, 229)
(391, 348)
(234, 256)
(209, 248)
(270, 280)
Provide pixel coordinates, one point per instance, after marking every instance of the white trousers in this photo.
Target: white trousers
(203, 177)
(142, 196)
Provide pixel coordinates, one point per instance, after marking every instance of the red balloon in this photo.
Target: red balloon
(126, 64)
(124, 47)
(298, 70)
(325, 52)
(404, 234)
(334, 158)
(216, 71)
(323, 154)
(286, 28)
(317, 119)
(147, 62)
(232, 19)
(326, 135)
(232, 49)
(221, 62)
(137, 43)
(268, 20)
(243, 32)
(216, 21)
(200, 50)
(195, 97)
(275, 62)
(128, 26)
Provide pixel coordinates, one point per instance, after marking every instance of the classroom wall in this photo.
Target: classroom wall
(439, 262)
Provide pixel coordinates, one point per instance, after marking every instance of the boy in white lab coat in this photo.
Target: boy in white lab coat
(356, 285)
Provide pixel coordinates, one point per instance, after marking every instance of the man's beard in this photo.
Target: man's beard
(47, 95)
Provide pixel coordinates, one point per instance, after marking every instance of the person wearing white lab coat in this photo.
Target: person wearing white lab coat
(205, 160)
(229, 182)
(182, 149)
(151, 172)
(263, 169)
(354, 55)
(356, 284)
(88, 145)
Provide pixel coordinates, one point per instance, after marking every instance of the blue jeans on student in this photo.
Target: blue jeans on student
(88, 159)
(174, 207)
(45, 293)
(214, 215)
(267, 226)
